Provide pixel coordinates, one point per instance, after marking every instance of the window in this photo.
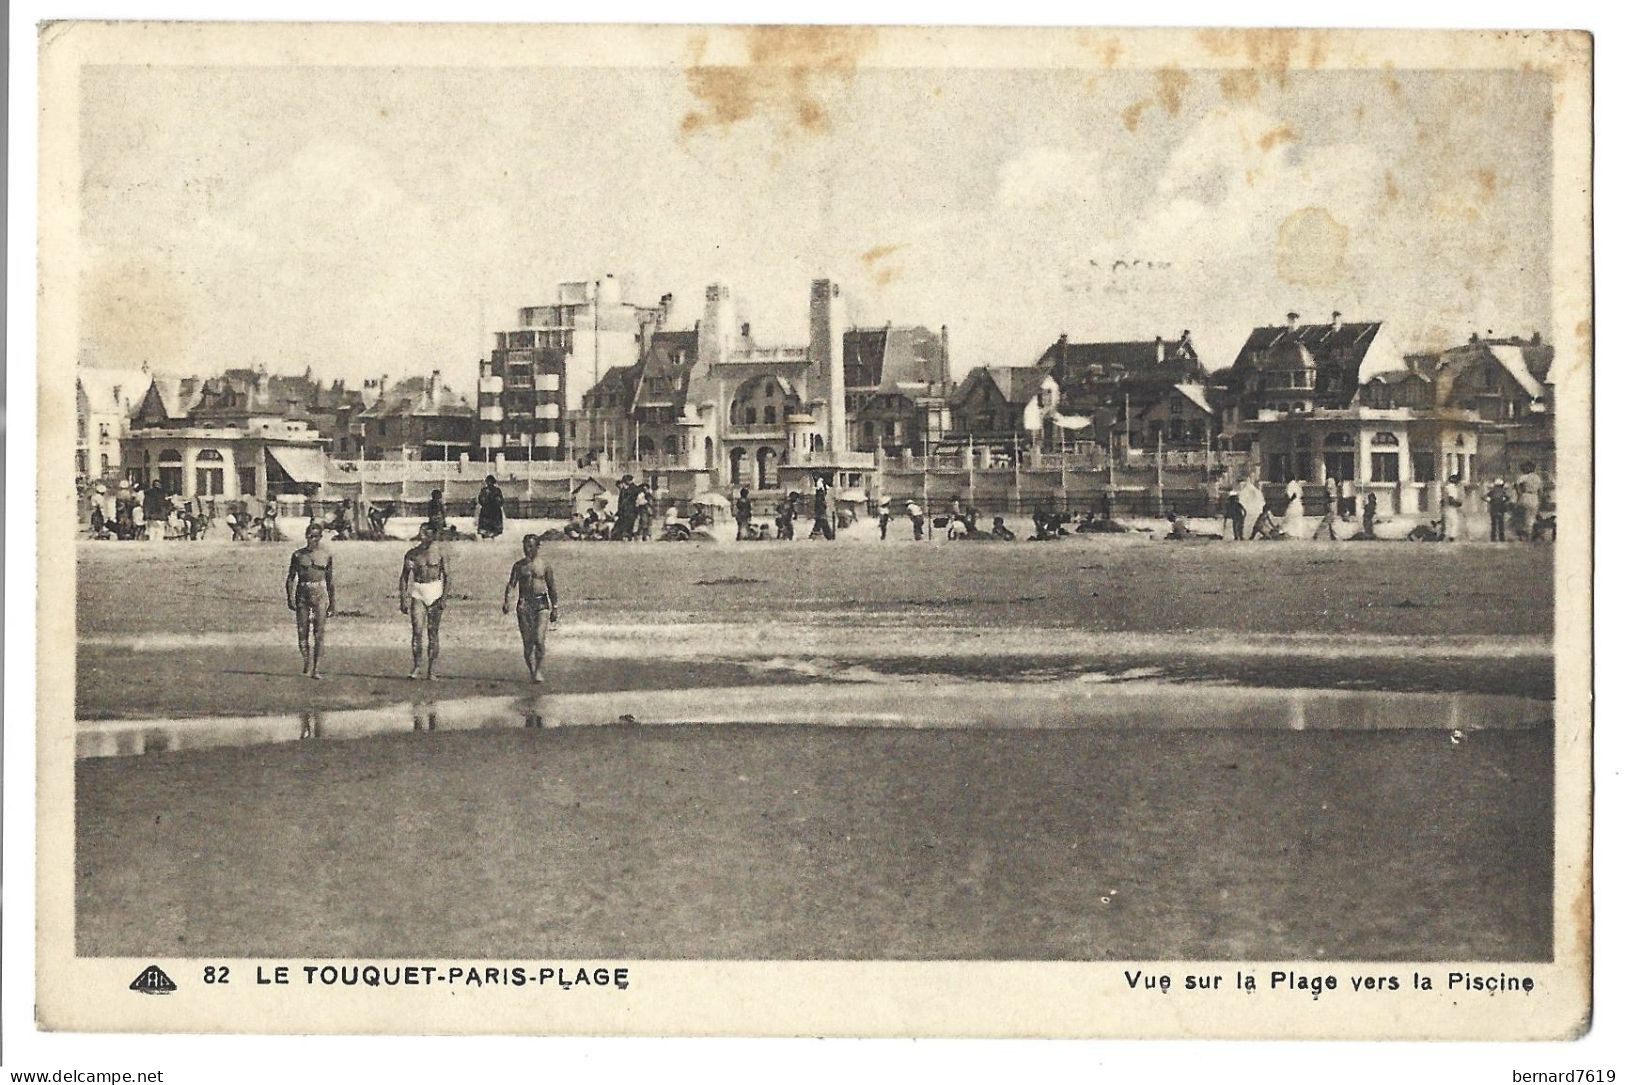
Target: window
(106, 463)
(1384, 440)
(169, 470)
(1176, 405)
(1424, 468)
(103, 429)
(245, 480)
(869, 432)
(211, 473)
(1385, 467)
(736, 466)
(1339, 440)
(1278, 467)
(750, 416)
(769, 414)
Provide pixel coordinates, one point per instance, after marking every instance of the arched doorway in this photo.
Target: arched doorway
(767, 469)
(817, 443)
(736, 466)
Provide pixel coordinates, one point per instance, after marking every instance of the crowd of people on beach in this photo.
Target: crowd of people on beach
(134, 510)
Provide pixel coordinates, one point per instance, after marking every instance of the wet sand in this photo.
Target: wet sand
(796, 842)
(218, 639)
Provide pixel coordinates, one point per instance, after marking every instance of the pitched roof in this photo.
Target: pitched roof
(882, 357)
(1016, 383)
(1349, 339)
(1136, 358)
(619, 382)
(661, 377)
(419, 396)
(114, 389)
(1515, 361)
(1197, 394)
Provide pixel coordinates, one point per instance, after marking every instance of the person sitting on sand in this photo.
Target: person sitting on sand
(1178, 528)
(1002, 533)
(425, 583)
(538, 595)
(1267, 526)
(311, 597)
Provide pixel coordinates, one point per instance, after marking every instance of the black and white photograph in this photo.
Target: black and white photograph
(573, 505)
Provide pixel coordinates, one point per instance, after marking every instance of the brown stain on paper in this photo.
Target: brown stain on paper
(872, 260)
(1284, 134)
(788, 73)
(133, 311)
(1168, 90)
(1310, 247)
(1272, 53)
(1239, 86)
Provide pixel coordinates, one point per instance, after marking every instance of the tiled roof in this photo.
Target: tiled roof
(1350, 338)
(1016, 383)
(882, 357)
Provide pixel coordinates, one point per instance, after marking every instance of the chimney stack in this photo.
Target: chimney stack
(942, 354)
(1337, 320)
(1292, 321)
(1160, 353)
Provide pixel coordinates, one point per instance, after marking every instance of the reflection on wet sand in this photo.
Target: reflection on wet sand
(1082, 703)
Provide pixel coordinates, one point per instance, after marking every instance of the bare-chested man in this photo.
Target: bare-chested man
(538, 595)
(425, 584)
(311, 596)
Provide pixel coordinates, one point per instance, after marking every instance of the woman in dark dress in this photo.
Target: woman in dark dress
(490, 502)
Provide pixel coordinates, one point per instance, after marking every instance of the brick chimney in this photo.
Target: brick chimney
(1337, 320)
(1292, 321)
(1160, 350)
(942, 356)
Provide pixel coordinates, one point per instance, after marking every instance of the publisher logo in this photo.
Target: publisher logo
(152, 981)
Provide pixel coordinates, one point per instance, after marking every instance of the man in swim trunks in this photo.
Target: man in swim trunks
(311, 597)
(425, 583)
(538, 595)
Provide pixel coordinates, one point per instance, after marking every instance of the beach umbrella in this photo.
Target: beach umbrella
(712, 500)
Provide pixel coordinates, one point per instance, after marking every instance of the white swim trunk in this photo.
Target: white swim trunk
(428, 594)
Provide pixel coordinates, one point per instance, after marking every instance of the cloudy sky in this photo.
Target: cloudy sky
(367, 221)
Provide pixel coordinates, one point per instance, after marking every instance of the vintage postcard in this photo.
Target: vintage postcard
(814, 531)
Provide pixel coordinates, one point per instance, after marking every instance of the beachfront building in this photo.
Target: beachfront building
(715, 407)
(1325, 402)
(897, 388)
(106, 398)
(419, 418)
(532, 388)
(1403, 455)
(223, 438)
(989, 409)
(1505, 382)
